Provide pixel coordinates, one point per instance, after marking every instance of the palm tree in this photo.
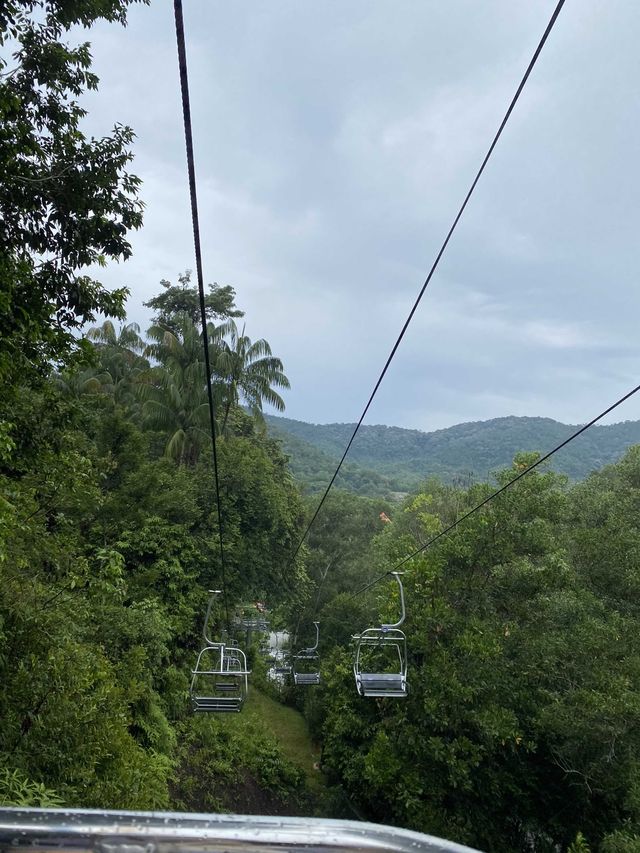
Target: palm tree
(118, 361)
(78, 383)
(120, 358)
(249, 373)
(174, 390)
(127, 336)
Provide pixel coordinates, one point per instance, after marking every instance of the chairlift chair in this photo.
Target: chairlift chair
(219, 681)
(282, 663)
(380, 665)
(257, 624)
(281, 666)
(305, 663)
(248, 620)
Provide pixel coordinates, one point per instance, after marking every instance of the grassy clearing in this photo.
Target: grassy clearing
(234, 763)
(290, 729)
(258, 762)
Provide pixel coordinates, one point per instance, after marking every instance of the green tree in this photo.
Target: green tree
(182, 298)
(174, 391)
(67, 201)
(522, 726)
(119, 359)
(249, 373)
(57, 585)
(339, 554)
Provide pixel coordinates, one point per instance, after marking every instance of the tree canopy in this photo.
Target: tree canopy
(67, 202)
(522, 726)
(521, 730)
(182, 298)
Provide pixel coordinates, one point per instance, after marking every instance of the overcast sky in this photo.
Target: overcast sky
(334, 142)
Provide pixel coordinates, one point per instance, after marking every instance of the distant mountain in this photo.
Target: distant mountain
(313, 468)
(385, 459)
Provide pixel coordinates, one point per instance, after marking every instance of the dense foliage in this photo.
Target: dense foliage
(108, 540)
(522, 726)
(66, 201)
(386, 459)
(313, 468)
(108, 546)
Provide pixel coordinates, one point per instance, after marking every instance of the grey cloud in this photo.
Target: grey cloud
(335, 141)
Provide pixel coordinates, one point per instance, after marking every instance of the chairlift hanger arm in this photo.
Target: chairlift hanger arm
(315, 646)
(212, 597)
(397, 624)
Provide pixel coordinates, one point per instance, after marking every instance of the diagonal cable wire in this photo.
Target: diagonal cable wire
(499, 491)
(434, 266)
(186, 114)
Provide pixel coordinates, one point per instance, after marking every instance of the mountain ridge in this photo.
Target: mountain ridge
(404, 457)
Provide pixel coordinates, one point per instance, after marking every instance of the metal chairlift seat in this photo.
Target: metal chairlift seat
(388, 679)
(254, 625)
(219, 681)
(306, 664)
(215, 686)
(231, 661)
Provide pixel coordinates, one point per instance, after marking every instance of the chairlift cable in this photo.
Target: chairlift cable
(434, 266)
(500, 491)
(186, 113)
(370, 584)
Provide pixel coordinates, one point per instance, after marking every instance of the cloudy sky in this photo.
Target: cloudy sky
(334, 142)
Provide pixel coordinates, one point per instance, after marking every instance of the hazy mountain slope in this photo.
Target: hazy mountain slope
(478, 448)
(313, 468)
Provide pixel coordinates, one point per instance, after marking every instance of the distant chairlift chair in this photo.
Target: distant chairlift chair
(306, 663)
(259, 622)
(380, 665)
(219, 681)
(281, 667)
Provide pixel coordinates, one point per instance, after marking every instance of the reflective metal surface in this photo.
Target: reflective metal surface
(67, 830)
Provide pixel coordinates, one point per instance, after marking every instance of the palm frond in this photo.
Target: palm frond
(104, 334)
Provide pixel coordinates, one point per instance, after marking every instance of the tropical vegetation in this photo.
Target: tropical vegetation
(384, 459)
(521, 729)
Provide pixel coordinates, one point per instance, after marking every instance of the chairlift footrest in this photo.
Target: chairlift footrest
(305, 678)
(216, 704)
(381, 684)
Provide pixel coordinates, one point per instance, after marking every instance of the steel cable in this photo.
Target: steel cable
(434, 266)
(499, 491)
(186, 114)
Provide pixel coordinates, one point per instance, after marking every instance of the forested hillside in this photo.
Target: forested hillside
(108, 515)
(109, 545)
(520, 730)
(402, 458)
(313, 468)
